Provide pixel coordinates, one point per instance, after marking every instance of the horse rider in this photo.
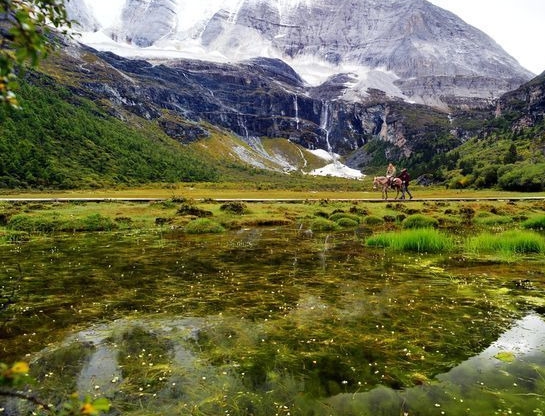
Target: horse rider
(405, 179)
(390, 173)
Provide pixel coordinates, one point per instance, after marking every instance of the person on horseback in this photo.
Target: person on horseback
(390, 173)
(405, 179)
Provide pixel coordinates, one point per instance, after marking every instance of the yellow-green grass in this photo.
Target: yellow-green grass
(315, 189)
(65, 216)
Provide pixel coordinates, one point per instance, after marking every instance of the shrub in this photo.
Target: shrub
(423, 240)
(516, 242)
(323, 224)
(535, 223)
(419, 221)
(203, 226)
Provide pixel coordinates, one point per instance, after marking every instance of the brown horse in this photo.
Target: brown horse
(382, 181)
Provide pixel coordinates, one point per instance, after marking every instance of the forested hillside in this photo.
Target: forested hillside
(59, 140)
(509, 150)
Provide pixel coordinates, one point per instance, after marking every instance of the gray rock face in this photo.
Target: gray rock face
(414, 39)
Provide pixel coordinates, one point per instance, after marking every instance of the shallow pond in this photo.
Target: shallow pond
(271, 321)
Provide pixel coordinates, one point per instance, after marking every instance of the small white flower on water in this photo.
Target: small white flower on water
(96, 387)
(437, 405)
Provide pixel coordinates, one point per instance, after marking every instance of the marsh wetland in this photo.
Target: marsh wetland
(318, 308)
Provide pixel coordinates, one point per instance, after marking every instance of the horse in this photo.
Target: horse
(382, 181)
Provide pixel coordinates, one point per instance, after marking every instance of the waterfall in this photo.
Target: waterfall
(324, 125)
(296, 106)
(242, 125)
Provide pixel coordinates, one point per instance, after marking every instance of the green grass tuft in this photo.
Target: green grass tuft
(347, 222)
(203, 226)
(419, 221)
(339, 215)
(514, 242)
(535, 223)
(323, 224)
(423, 240)
(373, 220)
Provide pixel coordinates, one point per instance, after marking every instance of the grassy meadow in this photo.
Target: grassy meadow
(323, 205)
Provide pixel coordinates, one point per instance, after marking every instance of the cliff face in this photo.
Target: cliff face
(430, 55)
(256, 98)
(525, 106)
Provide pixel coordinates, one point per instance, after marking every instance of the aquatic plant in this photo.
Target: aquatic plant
(203, 226)
(514, 242)
(419, 221)
(339, 215)
(488, 219)
(323, 224)
(372, 220)
(347, 222)
(421, 240)
(535, 223)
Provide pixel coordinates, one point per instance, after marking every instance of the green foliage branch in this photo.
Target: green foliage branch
(25, 26)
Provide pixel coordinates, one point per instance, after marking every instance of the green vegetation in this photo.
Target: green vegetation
(203, 226)
(420, 221)
(323, 224)
(509, 242)
(424, 240)
(29, 25)
(60, 141)
(504, 160)
(536, 222)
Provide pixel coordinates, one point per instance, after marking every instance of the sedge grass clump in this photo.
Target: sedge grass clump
(509, 242)
(421, 240)
(323, 224)
(535, 223)
(419, 221)
(340, 215)
(347, 222)
(487, 219)
(373, 220)
(203, 226)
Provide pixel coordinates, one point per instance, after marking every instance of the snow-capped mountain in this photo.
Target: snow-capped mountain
(407, 48)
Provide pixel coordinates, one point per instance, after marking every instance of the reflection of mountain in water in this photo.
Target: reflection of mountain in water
(474, 385)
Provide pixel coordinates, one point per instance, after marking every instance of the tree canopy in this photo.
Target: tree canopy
(25, 26)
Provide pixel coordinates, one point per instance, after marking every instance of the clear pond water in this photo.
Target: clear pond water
(274, 322)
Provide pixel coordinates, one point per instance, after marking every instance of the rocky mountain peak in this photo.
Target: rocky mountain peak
(426, 54)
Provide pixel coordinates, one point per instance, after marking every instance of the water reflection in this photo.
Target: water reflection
(483, 384)
(241, 322)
